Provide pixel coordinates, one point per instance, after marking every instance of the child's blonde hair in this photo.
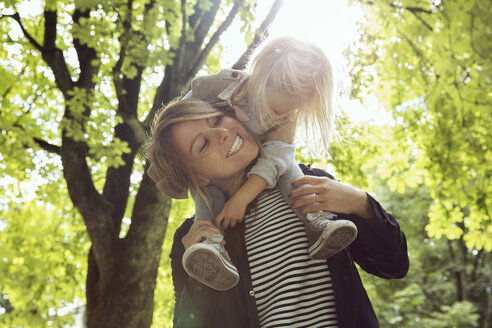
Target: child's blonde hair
(299, 69)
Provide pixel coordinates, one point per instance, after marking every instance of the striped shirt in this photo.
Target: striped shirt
(291, 290)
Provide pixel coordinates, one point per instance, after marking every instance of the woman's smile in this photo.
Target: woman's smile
(236, 145)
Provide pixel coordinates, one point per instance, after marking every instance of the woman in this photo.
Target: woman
(280, 285)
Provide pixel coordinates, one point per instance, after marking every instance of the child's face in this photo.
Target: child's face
(282, 104)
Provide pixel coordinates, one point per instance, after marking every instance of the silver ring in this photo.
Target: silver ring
(316, 200)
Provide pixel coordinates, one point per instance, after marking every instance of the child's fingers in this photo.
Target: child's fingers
(234, 222)
(226, 222)
(219, 219)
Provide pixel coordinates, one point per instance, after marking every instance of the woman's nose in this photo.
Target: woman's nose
(221, 134)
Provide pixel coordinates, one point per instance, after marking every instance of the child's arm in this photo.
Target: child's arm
(235, 207)
(276, 158)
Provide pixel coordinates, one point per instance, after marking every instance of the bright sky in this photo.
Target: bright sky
(331, 24)
(328, 23)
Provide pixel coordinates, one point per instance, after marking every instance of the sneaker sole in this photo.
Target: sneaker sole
(208, 267)
(330, 244)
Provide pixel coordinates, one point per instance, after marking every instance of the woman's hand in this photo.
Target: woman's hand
(200, 230)
(314, 194)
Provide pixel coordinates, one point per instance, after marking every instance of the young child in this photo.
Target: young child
(290, 82)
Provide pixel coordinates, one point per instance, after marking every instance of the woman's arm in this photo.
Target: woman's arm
(380, 247)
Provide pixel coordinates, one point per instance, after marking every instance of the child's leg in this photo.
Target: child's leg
(326, 236)
(208, 261)
(216, 199)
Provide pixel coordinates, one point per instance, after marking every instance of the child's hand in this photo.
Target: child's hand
(231, 214)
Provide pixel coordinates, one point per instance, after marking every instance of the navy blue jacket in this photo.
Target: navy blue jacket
(380, 249)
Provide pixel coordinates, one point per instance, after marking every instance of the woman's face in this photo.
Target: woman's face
(215, 149)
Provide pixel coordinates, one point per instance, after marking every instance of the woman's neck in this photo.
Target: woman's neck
(231, 185)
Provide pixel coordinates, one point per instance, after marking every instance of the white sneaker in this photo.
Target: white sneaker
(209, 263)
(326, 237)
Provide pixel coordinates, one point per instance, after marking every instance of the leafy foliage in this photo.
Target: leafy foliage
(43, 265)
(431, 57)
(430, 165)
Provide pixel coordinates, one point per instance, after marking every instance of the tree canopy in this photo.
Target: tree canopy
(433, 74)
(427, 63)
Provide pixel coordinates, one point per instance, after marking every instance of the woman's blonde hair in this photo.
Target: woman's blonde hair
(167, 165)
(162, 153)
(299, 69)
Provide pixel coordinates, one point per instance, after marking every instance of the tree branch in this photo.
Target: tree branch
(414, 10)
(50, 23)
(214, 39)
(201, 21)
(86, 55)
(472, 45)
(488, 316)
(43, 144)
(182, 39)
(174, 79)
(476, 263)
(421, 20)
(54, 56)
(417, 52)
(260, 35)
(123, 40)
(95, 210)
(131, 130)
(31, 40)
(47, 146)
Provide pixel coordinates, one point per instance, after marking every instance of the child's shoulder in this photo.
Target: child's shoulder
(227, 74)
(221, 84)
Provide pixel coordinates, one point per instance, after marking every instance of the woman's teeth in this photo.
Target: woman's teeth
(236, 145)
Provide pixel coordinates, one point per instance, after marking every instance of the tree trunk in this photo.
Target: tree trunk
(463, 292)
(126, 299)
(122, 294)
(487, 321)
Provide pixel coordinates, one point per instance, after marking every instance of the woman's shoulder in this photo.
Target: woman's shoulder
(184, 228)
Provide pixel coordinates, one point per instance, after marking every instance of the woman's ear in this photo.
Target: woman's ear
(202, 181)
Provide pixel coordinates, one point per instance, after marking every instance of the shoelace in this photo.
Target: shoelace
(318, 219)
(215, 241)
